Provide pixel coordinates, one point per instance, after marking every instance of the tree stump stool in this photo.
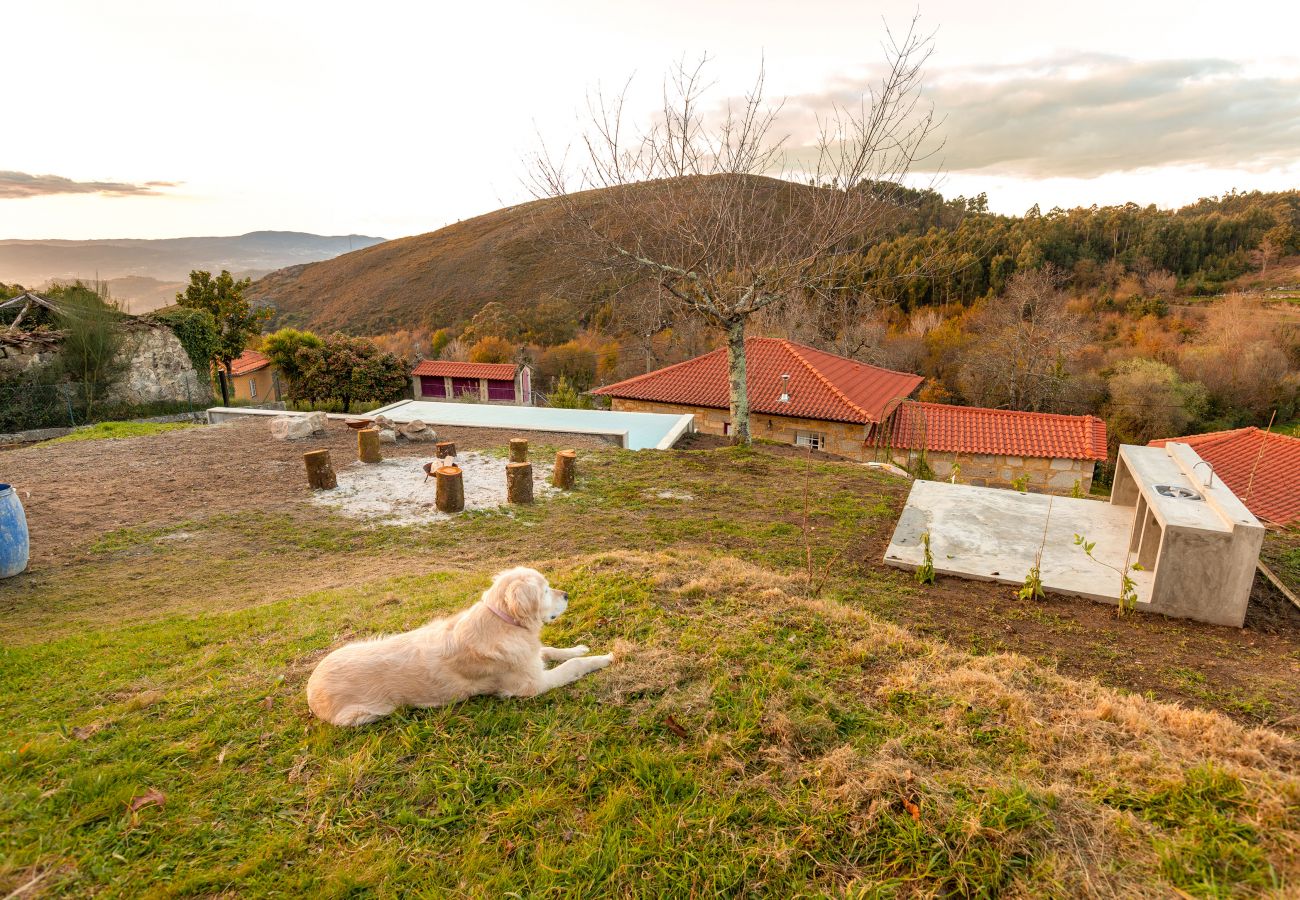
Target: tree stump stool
(566, 469)
(518, 450)
(519, 482)
(444, 449)
(368, 445)
(450, 494)
(320, 471)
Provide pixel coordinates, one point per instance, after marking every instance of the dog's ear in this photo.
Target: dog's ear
(521, 594)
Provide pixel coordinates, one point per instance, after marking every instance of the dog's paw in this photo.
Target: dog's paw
(599, 662)
(580, 650)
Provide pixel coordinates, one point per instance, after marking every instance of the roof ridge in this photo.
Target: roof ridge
(790, 348)
(1009, 412)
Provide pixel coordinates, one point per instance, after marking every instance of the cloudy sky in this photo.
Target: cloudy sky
(179, 117)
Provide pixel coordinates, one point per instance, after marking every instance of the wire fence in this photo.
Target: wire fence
(27, 404)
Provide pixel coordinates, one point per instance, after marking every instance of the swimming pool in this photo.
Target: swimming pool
(635, 431)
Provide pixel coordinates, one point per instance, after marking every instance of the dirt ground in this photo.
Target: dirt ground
(76, 492)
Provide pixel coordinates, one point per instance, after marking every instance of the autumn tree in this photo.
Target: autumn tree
(572, 361)
(1275, 242)
(223, 298)
(1148, 400)
(1021, 355)
(715, 213)
(347, 368)
(492, 349)
(1240, 358)
(438, 342)
(493, 320)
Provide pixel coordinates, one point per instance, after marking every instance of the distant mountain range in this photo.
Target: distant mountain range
(145, 274)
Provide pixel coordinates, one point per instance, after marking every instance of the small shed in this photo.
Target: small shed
(438, 379)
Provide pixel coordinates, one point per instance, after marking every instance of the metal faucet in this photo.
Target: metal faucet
(1205, 462)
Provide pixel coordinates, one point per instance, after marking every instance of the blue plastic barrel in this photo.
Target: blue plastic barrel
(14, 545)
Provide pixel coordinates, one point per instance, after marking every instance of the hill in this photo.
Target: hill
(444, 277)
(142, 265)
(432, 279)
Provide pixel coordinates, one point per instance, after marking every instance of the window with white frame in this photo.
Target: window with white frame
(814, 439)
(252, 388)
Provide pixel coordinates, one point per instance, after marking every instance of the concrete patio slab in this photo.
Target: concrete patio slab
(991, 534)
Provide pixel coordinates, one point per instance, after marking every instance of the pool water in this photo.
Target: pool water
(636, 431)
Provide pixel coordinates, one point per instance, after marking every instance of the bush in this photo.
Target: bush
(565, 396)
(32, 399)
(345, 369)
(571, 361)
(91, 354)
(197, 332)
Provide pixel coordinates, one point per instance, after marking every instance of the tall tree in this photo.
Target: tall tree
(713, 210)
(1027, 339)
(223, 297)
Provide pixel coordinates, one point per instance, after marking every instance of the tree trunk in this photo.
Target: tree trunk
(368, 445)
(566, 469)
(320, 472)
(445, 449)
(225, 390)
(450, 494)
(736, 379)
(518, 450)
(519, 482)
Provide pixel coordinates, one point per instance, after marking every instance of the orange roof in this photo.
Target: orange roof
(495, 371)
(822, 385)
(1274, 493)
(974, 429)
(249, 361)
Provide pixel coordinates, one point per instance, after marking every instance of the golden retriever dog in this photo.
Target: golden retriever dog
(494, 647)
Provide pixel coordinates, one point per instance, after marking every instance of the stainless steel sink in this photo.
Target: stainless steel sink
(1178, 492)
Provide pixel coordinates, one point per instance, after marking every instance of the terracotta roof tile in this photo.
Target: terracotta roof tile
(822, 385)
(1273, 494)
(249, 361)
(497, 371)
(972, 429)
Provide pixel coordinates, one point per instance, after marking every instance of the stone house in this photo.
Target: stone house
(254, 378)
(995, 447)
(797, 395)
(441, 379)
(807, 397)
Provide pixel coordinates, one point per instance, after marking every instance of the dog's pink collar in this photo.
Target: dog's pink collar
(509, 620)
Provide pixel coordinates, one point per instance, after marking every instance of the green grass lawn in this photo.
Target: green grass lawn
(101, 430)
(751, 738)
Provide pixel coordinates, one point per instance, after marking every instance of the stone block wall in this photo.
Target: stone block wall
(159, 370)
(1048, 476)
(842, 438)
(1055, 476)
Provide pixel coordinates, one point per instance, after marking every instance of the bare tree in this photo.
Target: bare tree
(715, 213)
(1027, 341)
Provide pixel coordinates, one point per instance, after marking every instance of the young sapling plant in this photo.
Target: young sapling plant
(925, 572)
(1127, 586)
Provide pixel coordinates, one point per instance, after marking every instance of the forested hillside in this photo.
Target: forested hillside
(1163, 321)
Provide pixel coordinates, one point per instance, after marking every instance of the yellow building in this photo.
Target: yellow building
(253, 379)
